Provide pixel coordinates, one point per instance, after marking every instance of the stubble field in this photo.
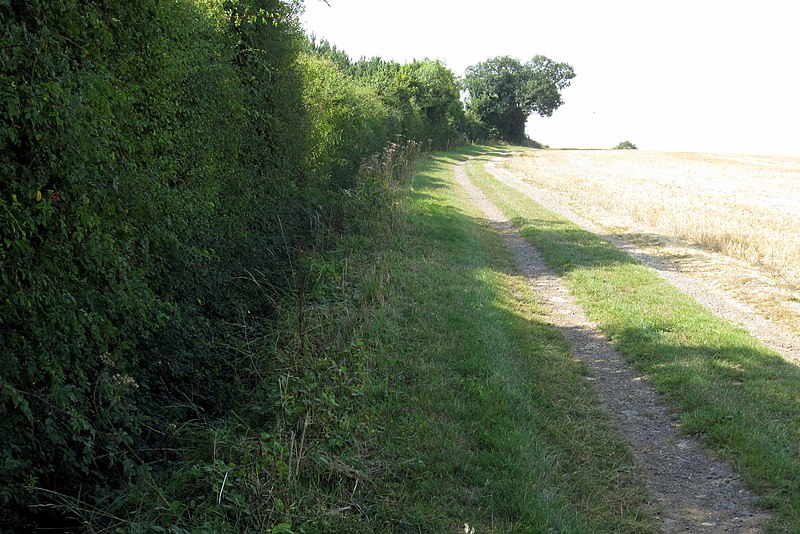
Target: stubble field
(732, 220)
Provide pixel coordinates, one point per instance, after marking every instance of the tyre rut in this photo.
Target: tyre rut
(694, 491)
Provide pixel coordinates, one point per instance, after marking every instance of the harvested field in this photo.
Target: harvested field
(733, 220)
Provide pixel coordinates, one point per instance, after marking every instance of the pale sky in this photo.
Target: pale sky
(696, 75)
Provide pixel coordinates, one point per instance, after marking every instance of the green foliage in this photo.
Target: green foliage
(503, 93)
(625, 145)
(165, 164)
(350, 122)
(436, 94)
(394, 84)
(329, 51)
(148, 155)
(423, 95)
(286, 459)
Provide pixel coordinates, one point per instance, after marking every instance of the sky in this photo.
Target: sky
(699, 75)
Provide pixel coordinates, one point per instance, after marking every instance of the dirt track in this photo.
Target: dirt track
(695, 492)
(703, 277)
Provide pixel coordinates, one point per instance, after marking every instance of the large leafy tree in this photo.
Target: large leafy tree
(503, 93)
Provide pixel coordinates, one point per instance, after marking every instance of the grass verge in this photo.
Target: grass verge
(740, 398)
(482, 415)
(408, 384)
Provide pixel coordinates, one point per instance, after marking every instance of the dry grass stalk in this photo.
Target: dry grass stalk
(744, 207)
(741, 207)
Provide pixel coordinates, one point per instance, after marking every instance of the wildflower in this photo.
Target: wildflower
(38, 196)
(54, 196)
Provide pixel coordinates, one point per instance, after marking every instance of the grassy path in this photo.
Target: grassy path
(740, 398)
(696, 493)
(737, 291)
(482, 414)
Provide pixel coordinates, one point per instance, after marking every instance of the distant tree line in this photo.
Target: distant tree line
(501, 93)
(163, 162)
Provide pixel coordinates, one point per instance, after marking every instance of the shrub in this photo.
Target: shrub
(625, 145)
(150, 157)
(349, 121)
(165, 166)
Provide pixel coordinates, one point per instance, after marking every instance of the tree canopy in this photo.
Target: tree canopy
(503, 92)
(625, 145)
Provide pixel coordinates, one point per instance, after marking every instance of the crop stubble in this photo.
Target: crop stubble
(696, 492)
(733, 221)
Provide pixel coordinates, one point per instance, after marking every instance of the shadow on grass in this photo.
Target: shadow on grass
(468, 152)
(741, 398)
(491, 419)
(569, 247)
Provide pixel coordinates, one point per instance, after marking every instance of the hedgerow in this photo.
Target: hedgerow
(165, 167)
(422, 96)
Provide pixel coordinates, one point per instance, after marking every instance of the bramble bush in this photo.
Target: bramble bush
(148, 155)
(160, 161)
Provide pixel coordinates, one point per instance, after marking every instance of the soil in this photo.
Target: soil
(695, 492)
(698, 273)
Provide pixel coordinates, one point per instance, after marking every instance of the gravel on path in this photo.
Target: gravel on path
(716, 300)
(695, 492)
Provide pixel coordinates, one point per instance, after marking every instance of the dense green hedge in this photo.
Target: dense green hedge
(149, 151)
(159, 160)
(422, 96)
(351, 122)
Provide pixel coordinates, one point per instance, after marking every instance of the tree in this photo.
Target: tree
(326, 49)
(503, 93)
(625, 145)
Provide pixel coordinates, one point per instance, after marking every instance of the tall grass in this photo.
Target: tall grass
(284, 458)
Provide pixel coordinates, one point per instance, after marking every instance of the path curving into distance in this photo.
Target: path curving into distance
(696, 493)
